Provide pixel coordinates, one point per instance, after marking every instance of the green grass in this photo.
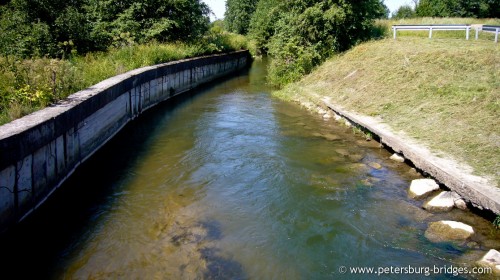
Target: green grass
(31, 84)
(443, 92)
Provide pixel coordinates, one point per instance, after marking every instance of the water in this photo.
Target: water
(233, 184)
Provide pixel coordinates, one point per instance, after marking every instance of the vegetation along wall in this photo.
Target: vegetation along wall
(39, 151)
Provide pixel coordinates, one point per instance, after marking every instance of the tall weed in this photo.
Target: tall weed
(27, 85)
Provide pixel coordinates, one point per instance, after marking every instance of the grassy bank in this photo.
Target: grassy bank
(27, 85)
(445, 93)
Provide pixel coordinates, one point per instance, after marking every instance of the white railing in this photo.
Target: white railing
(491, 28)
(448, 27)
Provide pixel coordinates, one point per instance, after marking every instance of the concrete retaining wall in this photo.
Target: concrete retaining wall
(38, 152)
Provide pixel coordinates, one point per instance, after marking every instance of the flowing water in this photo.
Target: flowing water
(231, 183)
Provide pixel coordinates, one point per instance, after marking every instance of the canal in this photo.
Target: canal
(231, 183)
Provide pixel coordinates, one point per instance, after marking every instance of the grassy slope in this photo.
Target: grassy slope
(443, 92)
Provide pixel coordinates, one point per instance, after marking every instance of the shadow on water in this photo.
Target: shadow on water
(33, 248)
(219, 267)
(213, 229)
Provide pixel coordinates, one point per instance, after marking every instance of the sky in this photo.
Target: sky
(219, 6)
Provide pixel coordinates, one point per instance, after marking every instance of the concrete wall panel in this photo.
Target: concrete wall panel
(7, 197)
(60, 157)
(24, 182)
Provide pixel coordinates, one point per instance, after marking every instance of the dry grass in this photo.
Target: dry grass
(443, 92)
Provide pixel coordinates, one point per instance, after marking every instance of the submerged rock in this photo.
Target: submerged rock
(342, 152)
(413, 172)
(331, 137)
(319, 180)
(375, 165)
(444, 201)
(327, 136)
(421, 188)
(473, 245)
(355, 157)
(491, 259)
(369, 143)
(397, 157)
(348, 154)
(443, 231)
(370, 181)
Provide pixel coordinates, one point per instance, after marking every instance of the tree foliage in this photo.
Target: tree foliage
(238, 15)
(57, 28)
(300, 34)
(459, 8)
(404, 11)
(262, 23)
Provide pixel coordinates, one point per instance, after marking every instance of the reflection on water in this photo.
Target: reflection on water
(233, 184)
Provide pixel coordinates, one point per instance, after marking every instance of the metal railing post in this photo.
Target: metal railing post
(394, 30)
(467, 33)
(496, 34)
(430, 32)
(477, 33)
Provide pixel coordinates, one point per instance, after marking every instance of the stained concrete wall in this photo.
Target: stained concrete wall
(38, 152)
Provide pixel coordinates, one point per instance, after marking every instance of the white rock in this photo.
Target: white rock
(347, 123)
(337, 117)
(459, 226)
(461, 204)
(491, 259)
(444, 201)
(421, 188)
(448, 231)
(397, 157)
(326, 116)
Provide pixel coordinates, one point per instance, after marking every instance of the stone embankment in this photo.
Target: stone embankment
(476, 191)
(466, 190)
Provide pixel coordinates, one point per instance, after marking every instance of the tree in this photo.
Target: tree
(458, 8)
(56, 28)
(21, 37)
(403, 12)
(130, 21)
(300, 34)
(238, 15)
(262, 23)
